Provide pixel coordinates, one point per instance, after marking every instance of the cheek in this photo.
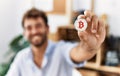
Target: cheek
(27, 34)
(43, 30)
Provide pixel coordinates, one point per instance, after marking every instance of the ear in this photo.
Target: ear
(48, 28)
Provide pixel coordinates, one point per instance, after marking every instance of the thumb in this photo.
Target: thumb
(82, 36)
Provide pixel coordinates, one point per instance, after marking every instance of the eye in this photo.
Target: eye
(29, 28)
(38, 25)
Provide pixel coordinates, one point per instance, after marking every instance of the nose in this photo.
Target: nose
(34, 31)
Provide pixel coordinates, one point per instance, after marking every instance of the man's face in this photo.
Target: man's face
(36, 31)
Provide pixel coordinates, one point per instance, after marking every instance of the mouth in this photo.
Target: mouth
(35, 36)
(37, 39)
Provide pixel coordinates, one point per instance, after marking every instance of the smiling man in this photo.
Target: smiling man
(46, 58)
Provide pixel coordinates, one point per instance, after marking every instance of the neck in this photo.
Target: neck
(39, 51)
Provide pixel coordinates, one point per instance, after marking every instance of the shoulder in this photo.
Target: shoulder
(22, 54)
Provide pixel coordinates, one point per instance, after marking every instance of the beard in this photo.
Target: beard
(38, 39)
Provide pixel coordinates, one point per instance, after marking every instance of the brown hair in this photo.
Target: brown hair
(35, 13)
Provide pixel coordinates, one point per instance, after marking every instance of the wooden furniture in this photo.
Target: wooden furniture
(88, 72)
(59, 7)
(97, 65)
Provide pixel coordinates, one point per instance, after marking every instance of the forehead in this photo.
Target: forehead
(33, 21)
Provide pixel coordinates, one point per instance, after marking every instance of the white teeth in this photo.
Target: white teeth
(36, 37)
(80, 24)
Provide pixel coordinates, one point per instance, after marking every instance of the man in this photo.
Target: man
(46, 58)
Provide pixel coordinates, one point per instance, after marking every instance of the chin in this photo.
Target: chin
(38, 43)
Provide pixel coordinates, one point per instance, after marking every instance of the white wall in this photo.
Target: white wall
(11, 12)
(81, 4)
(112, 9)
(8, 18)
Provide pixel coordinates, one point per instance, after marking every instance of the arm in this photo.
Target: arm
(91, 38)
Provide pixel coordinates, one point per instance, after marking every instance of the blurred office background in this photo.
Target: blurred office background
(61, 15)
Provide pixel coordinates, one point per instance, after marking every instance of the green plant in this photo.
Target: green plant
(17, 44)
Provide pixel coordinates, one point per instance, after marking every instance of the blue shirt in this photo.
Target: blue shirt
(56, 61)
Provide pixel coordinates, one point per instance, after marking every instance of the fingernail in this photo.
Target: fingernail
(94, 31)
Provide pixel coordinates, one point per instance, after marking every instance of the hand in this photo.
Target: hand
(94, 35)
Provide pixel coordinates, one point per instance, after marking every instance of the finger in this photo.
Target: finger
(81, 17)
(88, 15)
(101, 26)
(94, 26)
(101, 30)
(82, 36)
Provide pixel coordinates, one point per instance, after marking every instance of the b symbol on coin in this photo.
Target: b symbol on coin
(80, 24)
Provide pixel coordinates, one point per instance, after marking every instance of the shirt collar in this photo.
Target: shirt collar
(46, 56)
(49, 47)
